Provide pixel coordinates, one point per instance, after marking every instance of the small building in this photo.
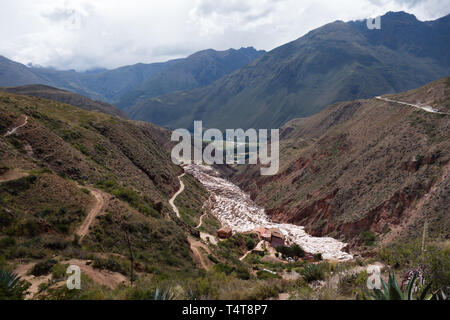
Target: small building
(276, 238)
(263, 233)
(224, 233)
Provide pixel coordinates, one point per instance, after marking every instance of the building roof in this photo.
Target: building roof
(225, 229)
(276, 233)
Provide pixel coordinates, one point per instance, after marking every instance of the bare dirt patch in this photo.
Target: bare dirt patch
(102, 277)
(99, 203)
(11, 175)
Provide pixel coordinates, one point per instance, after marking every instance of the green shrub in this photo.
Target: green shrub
(42, 268)
(250, 243)
(225, 268)
(5, 219)
(71, 136)
(242, 273)
(294, 251)
(318, 257)
(16, 186)
(29, 228)
(7, 242)
(314, 272)
(212, 258)
(110, 264)
(353, 283)
(43, 286)
(59, 271)
(368, 238)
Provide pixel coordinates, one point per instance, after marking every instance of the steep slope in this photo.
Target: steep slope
(363, 167)
(198, 70)
(16, 74)
(336, 62)
(88, 189)
(69, 162)
(67, 97)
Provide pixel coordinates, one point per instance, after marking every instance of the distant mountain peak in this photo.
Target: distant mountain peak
(400, 15)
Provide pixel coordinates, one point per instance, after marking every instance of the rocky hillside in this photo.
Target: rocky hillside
(79, 184)
(67, 97)
(337, 62)
(366, 168)
(88, 189)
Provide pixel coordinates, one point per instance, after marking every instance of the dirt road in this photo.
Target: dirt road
(258, 246)
(105, 278)
(99, 203)
(22, 271)
(172, 200)
(13, 130)
(196, 248)
(201, 221)
(12, 175)
(421, 107)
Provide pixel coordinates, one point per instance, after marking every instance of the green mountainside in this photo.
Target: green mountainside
(337, 62)
(67, 97)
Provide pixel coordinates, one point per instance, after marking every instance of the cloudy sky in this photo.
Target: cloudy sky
(84, 34)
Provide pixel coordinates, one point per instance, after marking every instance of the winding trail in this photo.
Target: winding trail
(13, 130)
(11, 175)
(196, 247)
(424, 108)
(250, 251)
(201, 220)
(100, 202)
(172, 200)
(105, 278)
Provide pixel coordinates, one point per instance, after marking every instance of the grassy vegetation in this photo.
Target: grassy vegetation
(38, 212)
(191, 206)
(434, 261)
(127, 194)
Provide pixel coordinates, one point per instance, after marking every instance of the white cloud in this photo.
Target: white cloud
(83, 34)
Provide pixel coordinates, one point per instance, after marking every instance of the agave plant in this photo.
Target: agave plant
(391, 290)
(11, 286)
(313, 272)
(163, 294)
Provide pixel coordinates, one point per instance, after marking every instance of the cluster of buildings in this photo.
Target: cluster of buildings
(271, 235)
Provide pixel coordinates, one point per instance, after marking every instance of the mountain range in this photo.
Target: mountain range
(337, 62)
(125, 85)
(248, 88)
(363, 159)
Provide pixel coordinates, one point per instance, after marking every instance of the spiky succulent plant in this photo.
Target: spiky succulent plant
(391, 290)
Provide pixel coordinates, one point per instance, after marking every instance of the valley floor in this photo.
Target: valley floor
(235, 209)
